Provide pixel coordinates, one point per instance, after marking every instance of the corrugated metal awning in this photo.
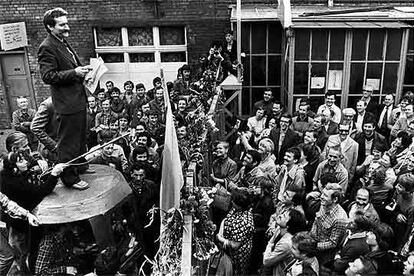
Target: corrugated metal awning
(336, 14)
(349, 25)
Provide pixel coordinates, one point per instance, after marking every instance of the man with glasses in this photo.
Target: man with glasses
(349, 149)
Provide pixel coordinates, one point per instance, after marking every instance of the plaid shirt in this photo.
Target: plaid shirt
(329, 227)
(51, 257)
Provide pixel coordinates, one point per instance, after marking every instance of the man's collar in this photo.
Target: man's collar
(58, 38)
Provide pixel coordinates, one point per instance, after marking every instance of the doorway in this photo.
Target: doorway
(16, 82)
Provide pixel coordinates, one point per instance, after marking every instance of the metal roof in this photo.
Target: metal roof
(324, 13)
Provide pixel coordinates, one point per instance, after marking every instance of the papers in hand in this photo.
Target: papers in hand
(93, 77)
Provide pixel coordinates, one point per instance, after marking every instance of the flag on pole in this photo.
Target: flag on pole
(284, 13)
(172, 175)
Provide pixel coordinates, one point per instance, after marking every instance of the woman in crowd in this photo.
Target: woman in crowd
(278, 252)
(236, 232)
(23, 183)
(304, 249)
(270, 124)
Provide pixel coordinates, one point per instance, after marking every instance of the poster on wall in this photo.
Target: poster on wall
(335, 80)
(374, 83)
(317, 82)
(13, 36)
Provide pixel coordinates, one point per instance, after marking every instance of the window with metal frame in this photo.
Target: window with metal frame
(262, 44)
(344, 61)
(409, 66)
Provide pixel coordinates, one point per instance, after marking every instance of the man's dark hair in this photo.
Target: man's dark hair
(296, 223)
(384, 236)
(139, 86)
(146, 134)
(330, 93)
(155, 80)
(406, 139)
(50, 15)
(105, 135)
(295, 151)
(129, 83)
(306, 244)
(363, 222)
(139, 150)
(256, 156)
(106, 83)
(287, 115)
(241, 198)
(311, 152)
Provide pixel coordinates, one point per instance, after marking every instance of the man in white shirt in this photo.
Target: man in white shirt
(330, 105)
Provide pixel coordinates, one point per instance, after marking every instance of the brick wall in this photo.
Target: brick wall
(205, 21)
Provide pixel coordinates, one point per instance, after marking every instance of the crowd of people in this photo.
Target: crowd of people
(133, 118)
(320, 191)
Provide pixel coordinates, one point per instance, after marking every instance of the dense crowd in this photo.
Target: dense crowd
(321, 191)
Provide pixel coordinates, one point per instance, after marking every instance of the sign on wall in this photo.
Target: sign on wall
(13, 35)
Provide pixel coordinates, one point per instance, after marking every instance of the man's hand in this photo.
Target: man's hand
(81, 71)
(33, 220)
(58, 169)
(71, 270)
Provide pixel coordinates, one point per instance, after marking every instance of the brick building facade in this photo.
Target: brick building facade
(201, 20)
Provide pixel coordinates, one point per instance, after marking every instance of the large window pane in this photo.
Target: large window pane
(246, 37)
(141, 57)
(172, 36)
(376, 44)
(411, 42)
(359, 41)
(108, 37)
(246, 69)
(302, 38)
(301, 78)
(275, 38)
(258, 38)
(318, 70)
(394, 44)
(246, 99)
(357, 78)
(319, 44)
(112, 57)
(140, 36)
(173, 57)
(390, 78)
(274, 70)
(374, 70)
(257, 94)
(337, 44)
(259, 70)
(409, 70)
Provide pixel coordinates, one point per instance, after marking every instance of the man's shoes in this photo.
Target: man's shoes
(81, 185)
(88, 171)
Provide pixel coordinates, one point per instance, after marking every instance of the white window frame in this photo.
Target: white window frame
(144, 72)
(157, 48)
